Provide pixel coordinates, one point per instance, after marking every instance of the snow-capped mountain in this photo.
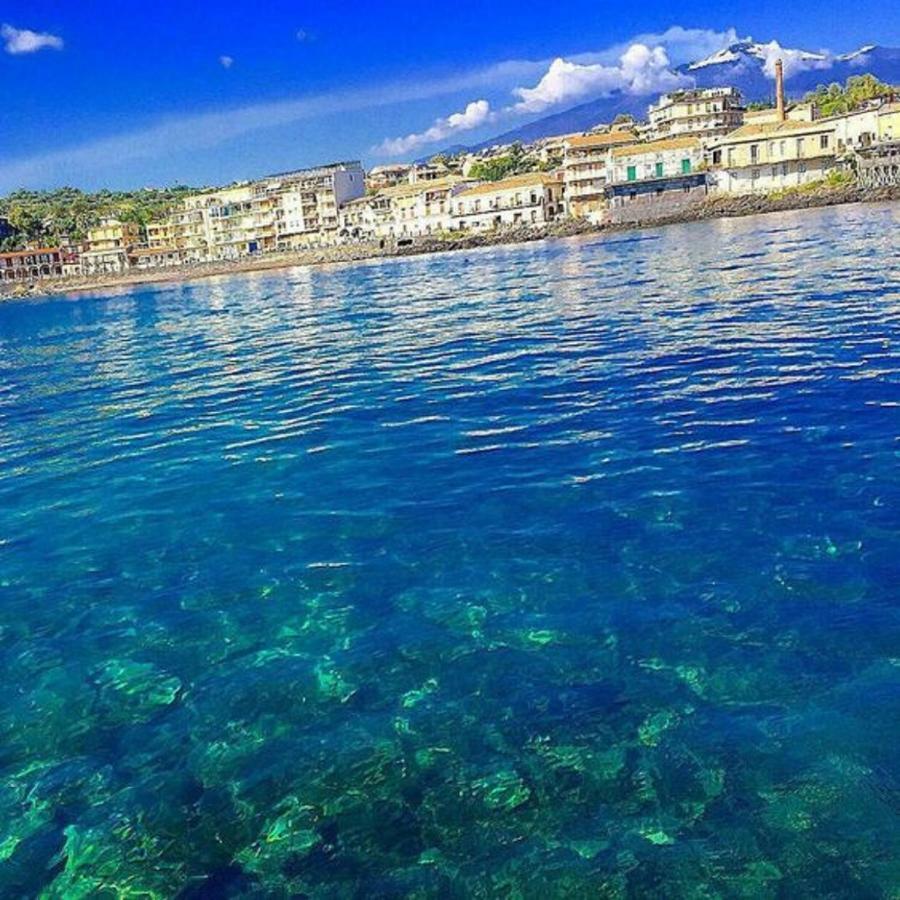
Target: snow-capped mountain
(751, 52)
(747, 65)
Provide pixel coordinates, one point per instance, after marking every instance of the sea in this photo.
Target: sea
(568, 569)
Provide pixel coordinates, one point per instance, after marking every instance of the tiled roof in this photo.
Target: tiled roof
(682, 143)
(606, 139)
(19, 253)
(773, 129)
(528, 179)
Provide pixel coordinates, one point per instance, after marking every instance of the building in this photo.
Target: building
(402, 212)
(154, 258)
(107, 247)
(534, 198)
(290, 211)
(381, 177)
(31, 265)
(760, 157)
(585, 162)
(702, 113)
(307, 203)
(653, 180)
(764, 158)
(889, 122)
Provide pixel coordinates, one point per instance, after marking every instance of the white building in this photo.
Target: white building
(534, 198)
(702, 113)
(404, 211)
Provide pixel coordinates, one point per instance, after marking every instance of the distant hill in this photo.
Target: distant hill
(741, 65)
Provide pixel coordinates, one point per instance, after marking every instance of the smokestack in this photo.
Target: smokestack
(779, 90)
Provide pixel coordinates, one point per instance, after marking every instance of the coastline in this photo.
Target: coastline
(720, 207)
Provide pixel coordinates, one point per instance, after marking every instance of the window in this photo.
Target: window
(685, 167)
(632, 173)
(754, 153)
(799, 147)
(823, 142)
(659, 170)
(717, 157)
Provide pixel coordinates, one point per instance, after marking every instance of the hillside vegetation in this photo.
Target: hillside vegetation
(835, 99)
(65, 215)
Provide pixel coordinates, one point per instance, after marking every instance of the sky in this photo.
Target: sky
(100, 94)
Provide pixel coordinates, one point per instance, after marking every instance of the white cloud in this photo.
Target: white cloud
(795, 61)
(20, 40)
(226, 62)
(641, 70)
(475, 114)
(681, 44)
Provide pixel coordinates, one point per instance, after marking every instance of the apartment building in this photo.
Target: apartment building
(404, 211)
(107, 246)
(655, 179)
(703, 113)
(585, 159)
(534, 198)
(290, 211)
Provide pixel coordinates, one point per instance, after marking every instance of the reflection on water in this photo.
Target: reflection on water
(564, 570)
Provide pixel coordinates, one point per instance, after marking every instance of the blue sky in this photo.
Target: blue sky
(101, 93)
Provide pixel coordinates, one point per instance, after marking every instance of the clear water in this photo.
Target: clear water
(568, 570)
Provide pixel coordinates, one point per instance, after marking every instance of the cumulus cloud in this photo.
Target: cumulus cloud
(19, 41)
(640, 70)
(475, 114)
(795, 61)
(226, 62)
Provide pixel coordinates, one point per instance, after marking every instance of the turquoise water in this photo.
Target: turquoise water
(566, 570)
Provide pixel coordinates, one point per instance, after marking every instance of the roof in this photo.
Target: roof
(683, 143)
(605, 139)
(508, 184)
(751, 132)
(18, 253)
(398, 191)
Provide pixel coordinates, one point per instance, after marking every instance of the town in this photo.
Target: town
(695, 143)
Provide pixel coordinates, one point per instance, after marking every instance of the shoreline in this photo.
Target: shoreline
(722, 207)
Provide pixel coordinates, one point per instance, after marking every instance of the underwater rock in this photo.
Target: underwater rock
(131, 691)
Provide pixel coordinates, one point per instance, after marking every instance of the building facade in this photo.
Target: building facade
(764, 158)
(291, 211)
(703, 113)
(31, 265)
(585, 160)
(107, 247)
(656, 179)
(532, 199)
(402, 212)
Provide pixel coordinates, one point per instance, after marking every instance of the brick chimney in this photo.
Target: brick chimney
(779, 90)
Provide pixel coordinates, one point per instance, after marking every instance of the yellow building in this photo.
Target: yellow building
(773, 156)
(889, 122)
(107, 246)
(585, 161)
